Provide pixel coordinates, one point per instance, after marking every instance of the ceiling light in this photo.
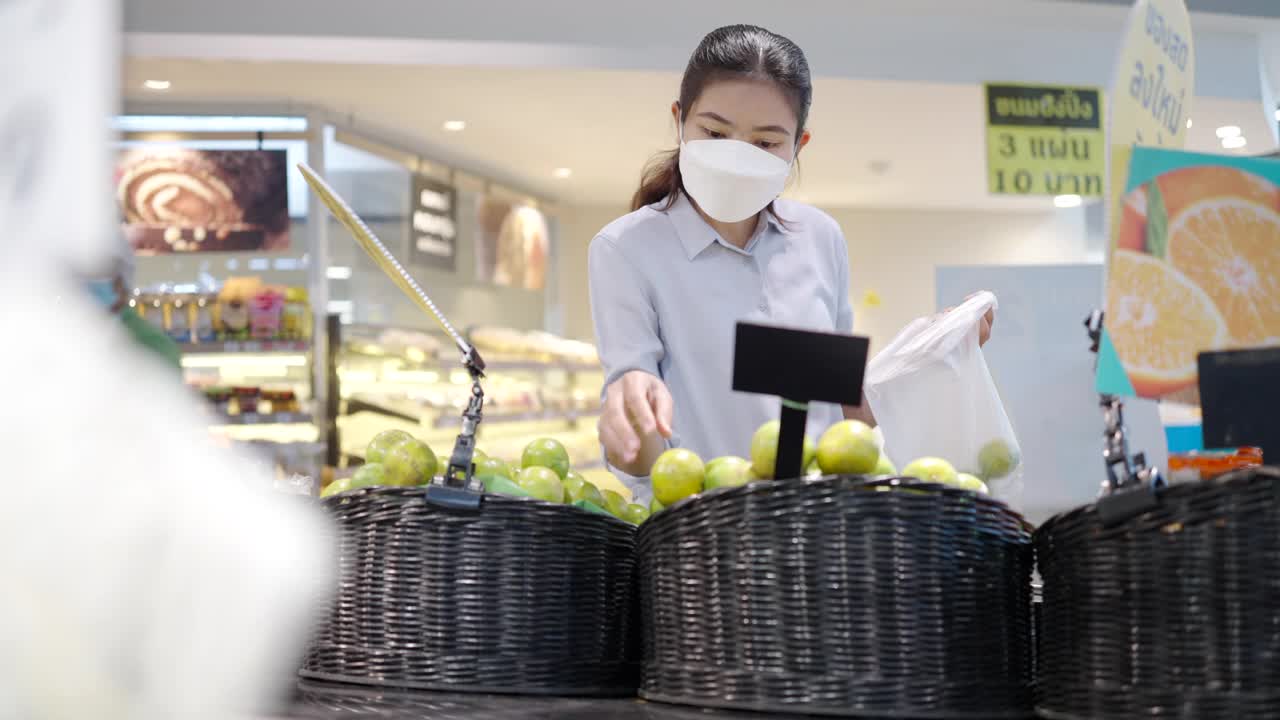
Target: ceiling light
(561, 173)
(1277, 115)
(157, 85)
(455, 125)
(1067, 201)
(1228, 131)
(1188, 123)
(1234, 142)
(338, 272)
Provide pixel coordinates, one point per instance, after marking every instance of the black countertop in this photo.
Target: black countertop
(325, 702)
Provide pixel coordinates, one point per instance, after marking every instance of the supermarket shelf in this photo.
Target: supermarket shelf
(452, 418)
(449, 421)
(360, 404)
(284, 418)
(246, 346)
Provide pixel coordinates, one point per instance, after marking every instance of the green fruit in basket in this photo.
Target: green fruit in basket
(369, 475)
(615, 504)
(410, 463)
(548, 453)
(382, 442)
(764, 449)
(677, 474)
(337, 486)
(636, 514)
(848, 448)
(655, 507)
(578, 488)
(996, 460)
(884, 467)
(966, 481)
(935, 470)
(727, 472)
(493, 467)
(542, 483)
(499, 485)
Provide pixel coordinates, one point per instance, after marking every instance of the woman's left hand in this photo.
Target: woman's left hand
(984, 325)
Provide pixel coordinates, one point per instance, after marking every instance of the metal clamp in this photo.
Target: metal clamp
(1130, 484)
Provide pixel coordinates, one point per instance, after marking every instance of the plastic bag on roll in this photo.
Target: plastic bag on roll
(933, 396)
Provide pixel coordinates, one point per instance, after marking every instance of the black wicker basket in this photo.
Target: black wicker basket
(1171, 613)
(834, 597)
(519, 596)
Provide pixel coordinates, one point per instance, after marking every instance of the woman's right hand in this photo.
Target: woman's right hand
(635, 422)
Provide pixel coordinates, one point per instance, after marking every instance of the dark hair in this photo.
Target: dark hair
(734, 51)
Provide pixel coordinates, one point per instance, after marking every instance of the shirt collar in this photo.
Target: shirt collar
(696, 235)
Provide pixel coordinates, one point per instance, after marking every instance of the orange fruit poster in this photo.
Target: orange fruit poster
(1195, 267)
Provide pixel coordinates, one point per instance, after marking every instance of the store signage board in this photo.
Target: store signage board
(1045, 140)
(1241, 391)
(799, 366)
(1151, 94)
(1151, 91)
(433, 226)
(1195, 267)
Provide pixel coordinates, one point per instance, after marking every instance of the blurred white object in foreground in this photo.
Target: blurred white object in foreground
(144, 574)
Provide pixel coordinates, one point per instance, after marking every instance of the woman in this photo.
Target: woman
(708, 244)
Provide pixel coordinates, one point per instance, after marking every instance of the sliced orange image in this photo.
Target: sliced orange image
(1230, 247)
(1159, 320)
(1188, 186)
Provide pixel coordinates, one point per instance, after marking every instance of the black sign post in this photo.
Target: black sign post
(433, 231)
(800, 366)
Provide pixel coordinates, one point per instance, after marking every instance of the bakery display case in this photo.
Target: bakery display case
(537, 385)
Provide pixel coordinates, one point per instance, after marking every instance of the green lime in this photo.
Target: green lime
(677, 474)
(935, 470)
(764, 449)
(848, 448)
(542, 483)
(382, 442)
(493, 467)
(369, 475)
(548, 453)
(615, 504)
(337, 486)
(970, 482)
(410, 463)
(996, 459)
(636, 514)
(884, 467)
(727, 472)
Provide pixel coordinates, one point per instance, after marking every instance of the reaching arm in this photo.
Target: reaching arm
(636, 417)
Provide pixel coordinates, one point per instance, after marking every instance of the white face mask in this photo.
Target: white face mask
(731, 180)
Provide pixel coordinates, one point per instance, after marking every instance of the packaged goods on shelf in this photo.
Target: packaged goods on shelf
(243, 309)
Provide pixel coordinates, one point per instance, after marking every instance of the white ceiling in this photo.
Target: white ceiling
(523, 123)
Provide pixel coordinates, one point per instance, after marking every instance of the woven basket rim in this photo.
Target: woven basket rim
(419, 492)
(1169, 493)
(861, 483)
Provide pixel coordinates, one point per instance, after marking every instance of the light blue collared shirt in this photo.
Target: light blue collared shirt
(667, 294)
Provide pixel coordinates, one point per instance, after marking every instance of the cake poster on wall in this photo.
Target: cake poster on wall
(181, 200)
(512, 244)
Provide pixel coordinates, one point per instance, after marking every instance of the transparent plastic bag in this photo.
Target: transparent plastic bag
(933, 396)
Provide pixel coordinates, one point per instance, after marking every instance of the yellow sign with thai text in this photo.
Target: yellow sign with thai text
(1045, 140)
(1152, 91)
